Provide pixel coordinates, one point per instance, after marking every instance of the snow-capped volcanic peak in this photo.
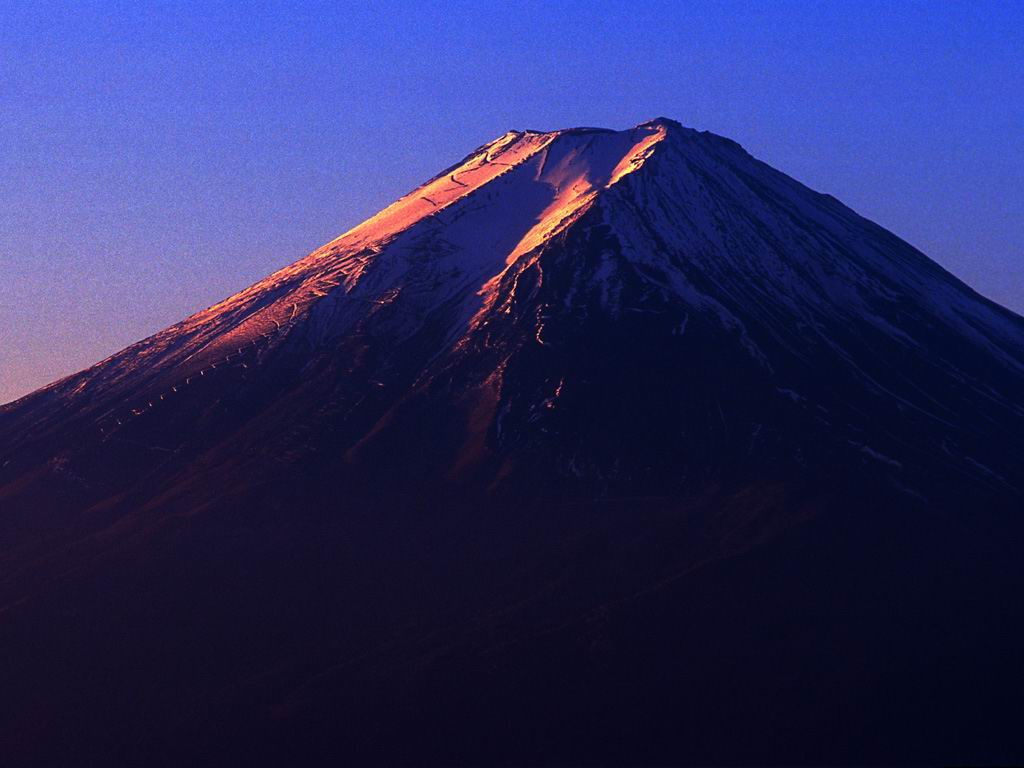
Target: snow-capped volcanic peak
(501, 202)
(542, 252)
(703, 221)
(460, 232)
(570, 164)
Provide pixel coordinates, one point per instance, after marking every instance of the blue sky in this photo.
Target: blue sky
(156, 157)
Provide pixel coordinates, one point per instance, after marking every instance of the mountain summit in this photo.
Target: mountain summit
(599, 445)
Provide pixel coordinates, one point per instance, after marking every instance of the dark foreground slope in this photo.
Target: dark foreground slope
(600, 447)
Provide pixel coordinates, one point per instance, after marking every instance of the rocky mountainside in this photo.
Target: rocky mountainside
(600, 445)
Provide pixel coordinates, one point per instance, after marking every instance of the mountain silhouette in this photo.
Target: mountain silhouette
(598, 447)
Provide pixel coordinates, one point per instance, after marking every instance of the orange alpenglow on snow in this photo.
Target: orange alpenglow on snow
(497, 207)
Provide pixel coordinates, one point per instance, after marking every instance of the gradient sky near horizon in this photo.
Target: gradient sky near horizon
(157, 157)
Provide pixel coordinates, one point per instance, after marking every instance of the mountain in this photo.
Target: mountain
(600, 446)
